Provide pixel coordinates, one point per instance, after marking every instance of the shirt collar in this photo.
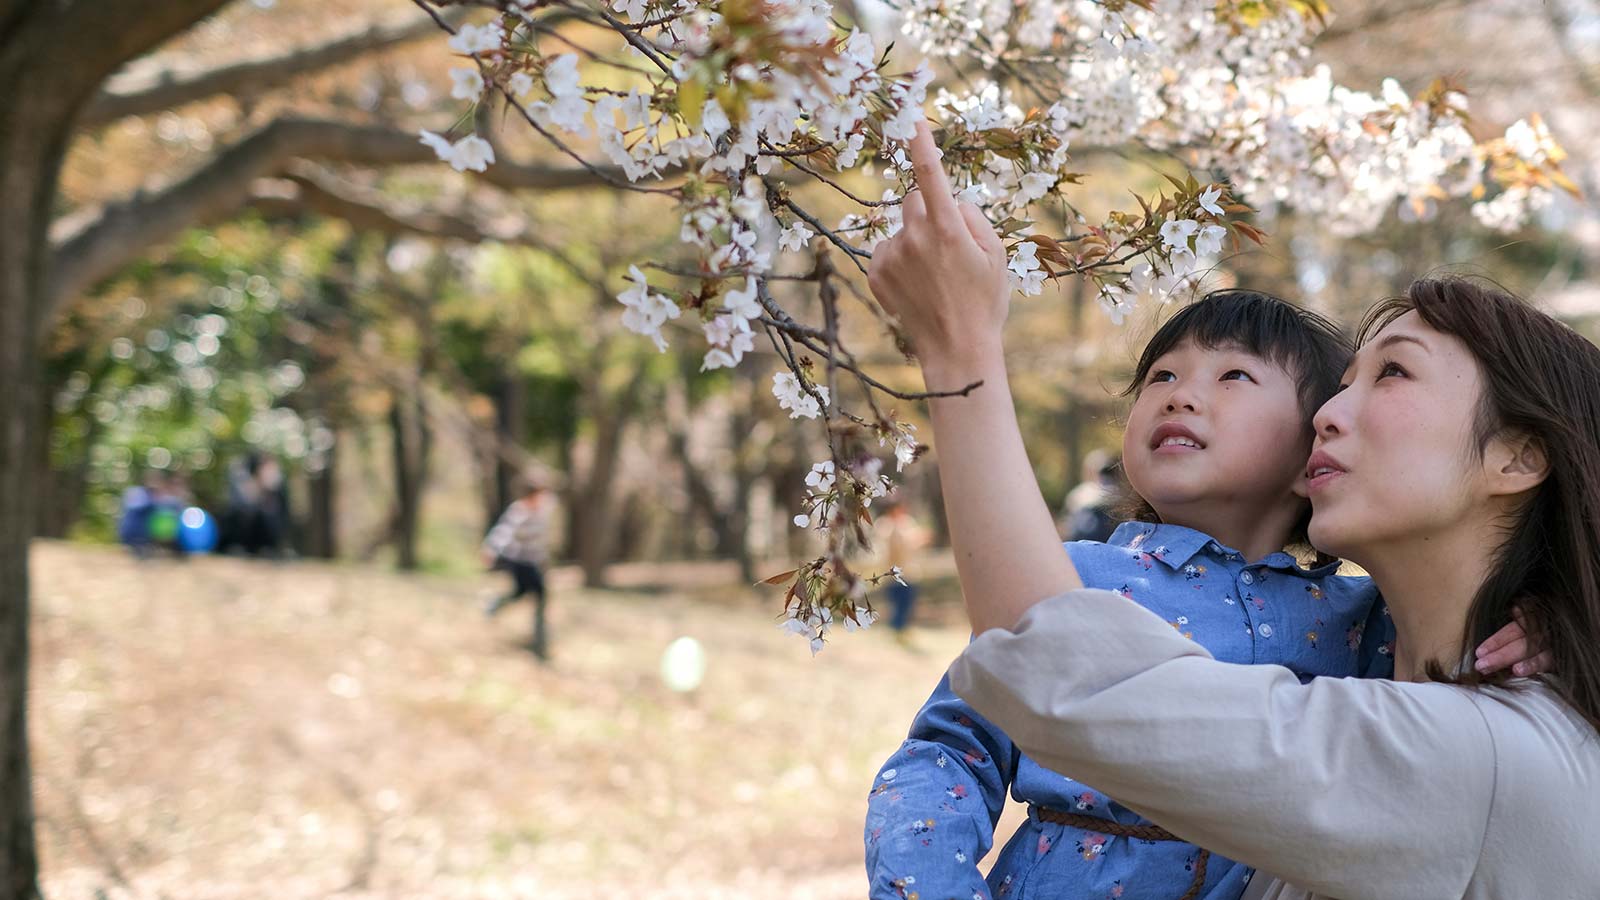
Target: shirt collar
(1177, 545)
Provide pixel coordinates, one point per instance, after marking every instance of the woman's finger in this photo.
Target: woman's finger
(980, 227)
(913, 209)
(940, 198)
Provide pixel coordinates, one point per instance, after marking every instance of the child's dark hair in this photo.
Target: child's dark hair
(1306, 345)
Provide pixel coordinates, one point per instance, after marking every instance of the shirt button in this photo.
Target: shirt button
(1247, 578)
(1264, 630)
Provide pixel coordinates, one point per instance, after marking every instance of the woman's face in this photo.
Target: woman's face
(1395, 457)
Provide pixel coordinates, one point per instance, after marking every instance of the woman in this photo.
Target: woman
(1461, 467)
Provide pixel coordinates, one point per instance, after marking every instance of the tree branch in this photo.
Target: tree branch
(82, 42)
(92, 245)
(307, 189)
(134, 94)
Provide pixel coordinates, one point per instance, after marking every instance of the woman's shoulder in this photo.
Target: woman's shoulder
(1547, 775)
(1530, 722)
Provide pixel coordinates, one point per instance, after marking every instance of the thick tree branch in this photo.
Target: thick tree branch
(92, 246)
(306, 189)
(96, 37)
(133, 94)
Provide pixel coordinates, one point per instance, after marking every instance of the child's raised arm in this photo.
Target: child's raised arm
(944, 276)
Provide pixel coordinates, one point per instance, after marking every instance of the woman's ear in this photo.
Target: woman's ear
(1517, 463)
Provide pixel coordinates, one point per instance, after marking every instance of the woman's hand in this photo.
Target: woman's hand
(943, 275)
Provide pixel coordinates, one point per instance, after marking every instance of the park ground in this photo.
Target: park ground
(230, 728)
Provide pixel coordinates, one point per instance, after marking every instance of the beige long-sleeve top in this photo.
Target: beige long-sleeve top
(1343, 787)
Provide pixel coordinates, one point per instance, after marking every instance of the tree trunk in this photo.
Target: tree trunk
(321, 531)
(53, 56)
(510, 418)
(744, 482)
(412, 442)
(27, 174)
(595, 508)
(595, 512)
(35, 122)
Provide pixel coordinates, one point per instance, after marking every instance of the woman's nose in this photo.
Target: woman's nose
(1330, 420)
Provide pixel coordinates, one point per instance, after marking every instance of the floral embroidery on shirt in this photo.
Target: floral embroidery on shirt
(1311, 635)
(1314, 592)
(1091, 845)
(1352, 638)
(1044, 844)
(1085, 801)
(1178, 624)
(1116, 890)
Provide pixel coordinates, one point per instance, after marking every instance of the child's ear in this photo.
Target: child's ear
(1302, 483)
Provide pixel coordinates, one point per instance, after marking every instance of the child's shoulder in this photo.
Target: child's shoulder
(1097, 551)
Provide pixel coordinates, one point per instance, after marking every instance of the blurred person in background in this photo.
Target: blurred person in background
(897, 537)
(1089, 513)
(519, 543)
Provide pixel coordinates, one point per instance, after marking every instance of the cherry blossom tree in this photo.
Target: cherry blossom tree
(724, 109)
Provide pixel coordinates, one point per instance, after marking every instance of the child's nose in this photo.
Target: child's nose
(1182, 399)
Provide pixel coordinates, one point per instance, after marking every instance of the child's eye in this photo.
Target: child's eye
(1236, 375)
(1161, 375)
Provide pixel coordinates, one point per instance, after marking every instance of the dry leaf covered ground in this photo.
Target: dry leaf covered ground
(227, 728)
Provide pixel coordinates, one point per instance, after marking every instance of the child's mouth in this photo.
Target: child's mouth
(1174, 438)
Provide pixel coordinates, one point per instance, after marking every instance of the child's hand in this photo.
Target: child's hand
(1511, 646)
(944, 273)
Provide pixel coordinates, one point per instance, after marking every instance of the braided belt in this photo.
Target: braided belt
(1141, 832)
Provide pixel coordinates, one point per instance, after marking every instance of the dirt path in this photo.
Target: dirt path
(226, 728)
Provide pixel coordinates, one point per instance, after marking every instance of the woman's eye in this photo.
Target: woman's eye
(1236, 375)
(1162, 375)
(1391, 369)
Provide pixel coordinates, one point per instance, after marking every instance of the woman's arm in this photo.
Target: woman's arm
(1348, 787)
(944, 276)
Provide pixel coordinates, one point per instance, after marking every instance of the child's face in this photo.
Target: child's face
(1215, 426)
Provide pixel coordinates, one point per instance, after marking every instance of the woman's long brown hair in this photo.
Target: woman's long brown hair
(1540, 379)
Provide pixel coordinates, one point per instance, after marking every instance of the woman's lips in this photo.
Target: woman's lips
(1322, 470)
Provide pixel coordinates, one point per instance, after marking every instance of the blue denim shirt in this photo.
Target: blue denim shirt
(933, 807)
